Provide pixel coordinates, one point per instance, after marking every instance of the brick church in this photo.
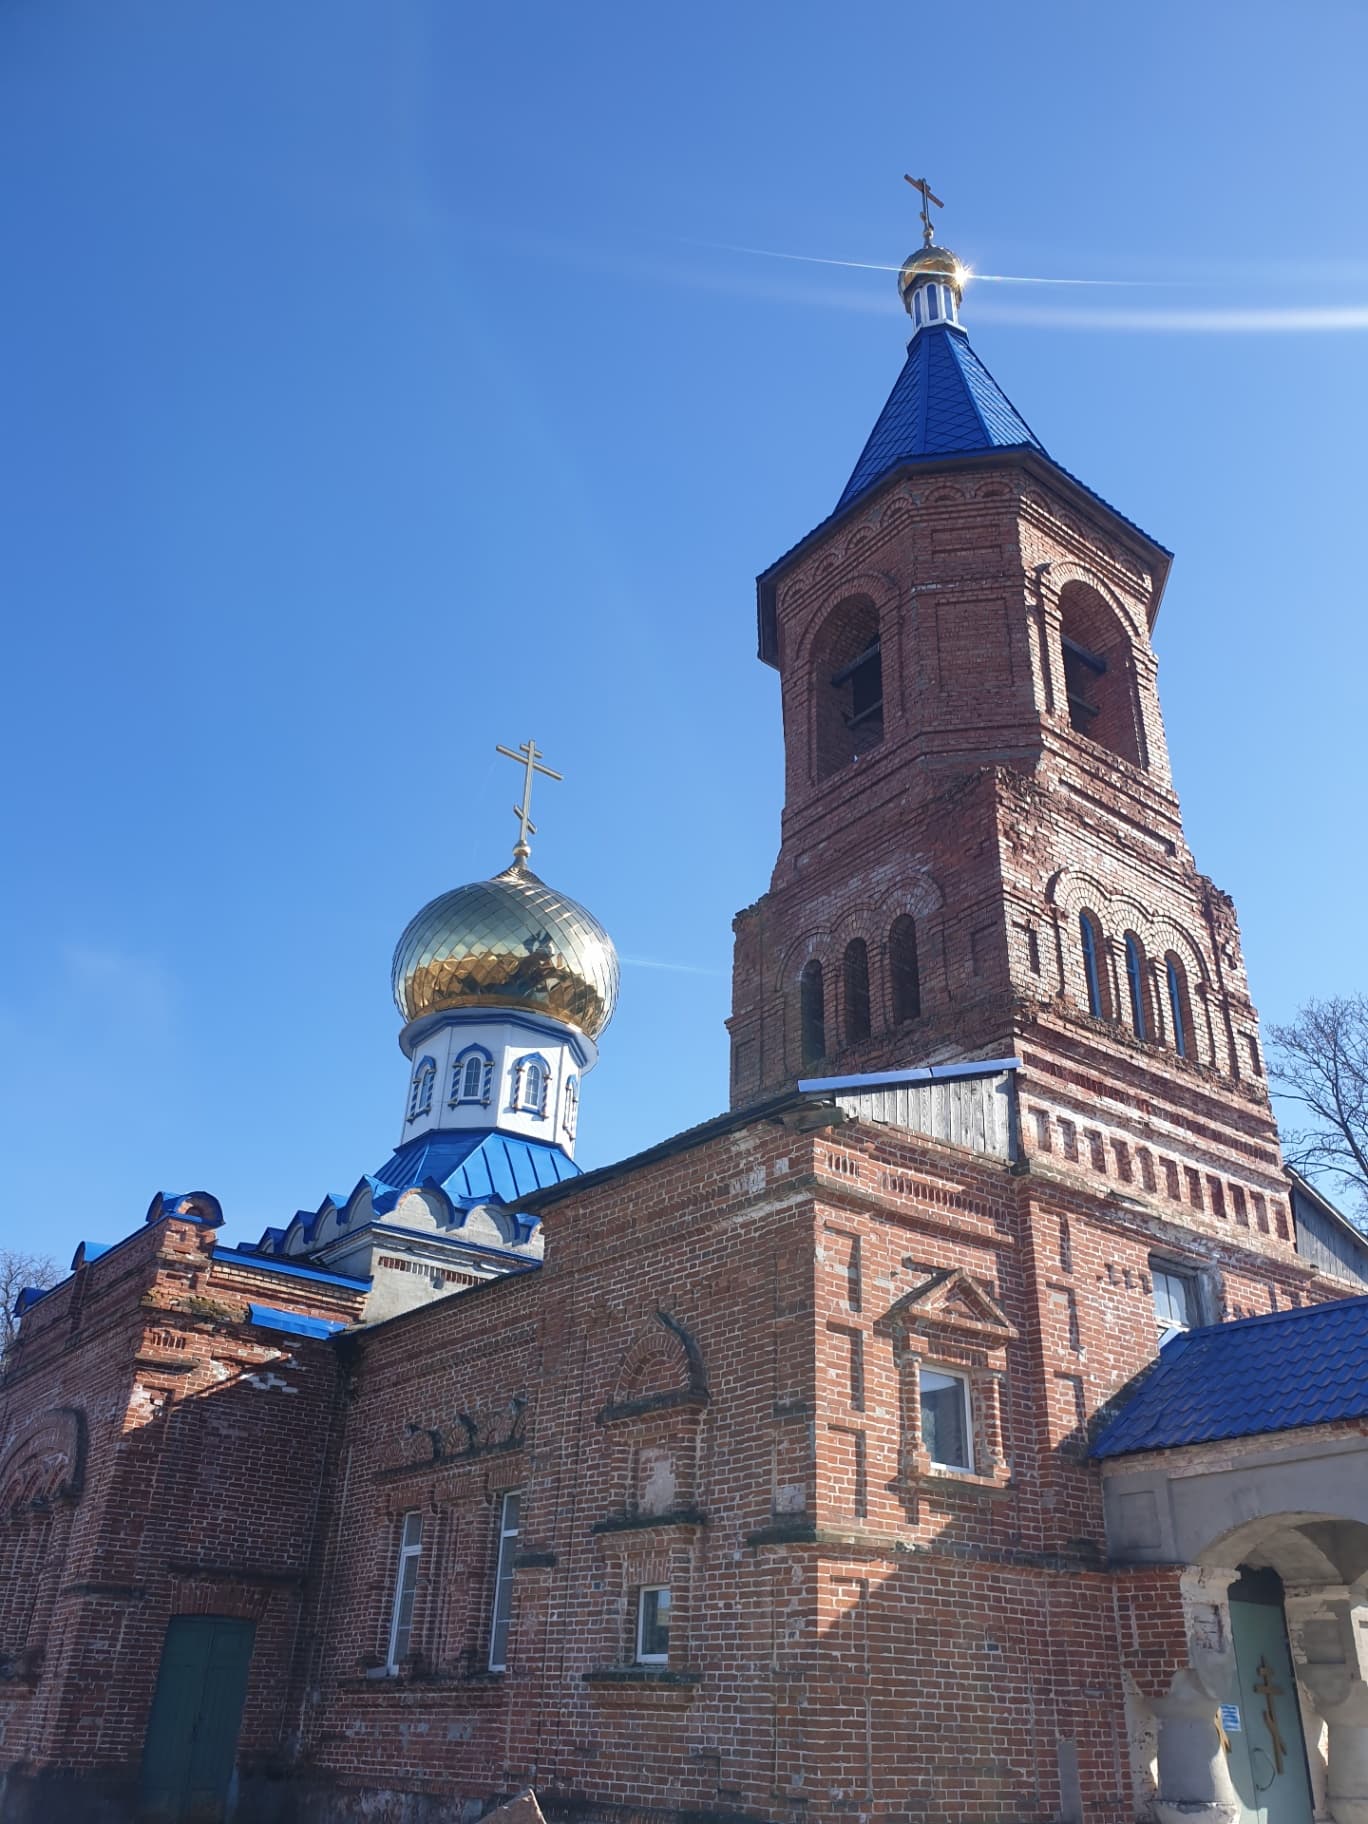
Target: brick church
(968, 1426)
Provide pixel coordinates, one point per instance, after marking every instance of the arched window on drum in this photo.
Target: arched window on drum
(570, 1107)
(531, 1078)
(471, 1076)
(420, 1091)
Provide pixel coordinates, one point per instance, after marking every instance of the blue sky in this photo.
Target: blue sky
(379, 385)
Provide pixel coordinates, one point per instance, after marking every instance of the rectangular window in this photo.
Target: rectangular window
(946, 1430)
(405, 1590)
(1177, 1297)
(653, 1626)
(503, 1582)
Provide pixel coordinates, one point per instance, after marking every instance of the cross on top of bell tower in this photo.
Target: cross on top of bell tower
(928, 197)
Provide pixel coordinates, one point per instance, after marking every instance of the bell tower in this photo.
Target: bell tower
(982, 852)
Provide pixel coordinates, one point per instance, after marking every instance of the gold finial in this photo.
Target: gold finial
(920, 183)
(529, 757)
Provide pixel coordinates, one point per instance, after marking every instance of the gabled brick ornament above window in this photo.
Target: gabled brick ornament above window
(951, 1302)
(950, 1323)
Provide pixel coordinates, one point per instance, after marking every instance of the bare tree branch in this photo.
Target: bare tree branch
(1319, 1062)
(16, 1272)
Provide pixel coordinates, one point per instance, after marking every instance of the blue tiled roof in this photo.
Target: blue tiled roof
(1272, 1373)
(480, 1167)
(945, 403)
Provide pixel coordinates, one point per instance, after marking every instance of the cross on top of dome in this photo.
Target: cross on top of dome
(529, 757)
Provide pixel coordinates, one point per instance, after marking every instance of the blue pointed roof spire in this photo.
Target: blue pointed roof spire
(944, 402)
(944, 406)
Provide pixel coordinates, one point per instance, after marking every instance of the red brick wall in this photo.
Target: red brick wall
(850, 1632)
(984, 815)
(176, 1484)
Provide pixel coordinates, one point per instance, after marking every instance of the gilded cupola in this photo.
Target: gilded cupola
(511, 942)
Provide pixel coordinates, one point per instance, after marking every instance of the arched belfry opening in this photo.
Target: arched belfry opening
(1099, 673)
(847, 686)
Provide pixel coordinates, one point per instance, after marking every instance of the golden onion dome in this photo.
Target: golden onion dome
(508, 942)
(930, 262)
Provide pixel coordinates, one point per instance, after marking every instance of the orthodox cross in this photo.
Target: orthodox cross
(928, 197)
(1267, 1690)
(529, 757)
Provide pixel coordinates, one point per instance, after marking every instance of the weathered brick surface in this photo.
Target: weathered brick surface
(987, 818)
(853, 1631)
(144, 1474)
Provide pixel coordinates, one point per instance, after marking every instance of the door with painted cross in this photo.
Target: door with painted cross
(191, 1745)
(1267, 1749)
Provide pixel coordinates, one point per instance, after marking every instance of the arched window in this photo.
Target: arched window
(531, 1076)
(847, 686)
(812, 1013)
(1090, 937)
(1180, 1005)
(904, 978)
(855, 970)
(570, 1111)
(1135, 982)
(420, 1094)
(472, 1075)
(1099, 672)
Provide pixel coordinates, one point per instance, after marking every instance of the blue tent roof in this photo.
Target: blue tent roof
(1273, 1373)
(481, 1167)
(945, 403)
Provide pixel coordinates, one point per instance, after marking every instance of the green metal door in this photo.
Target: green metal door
(1267, 1748)
(192, 1733)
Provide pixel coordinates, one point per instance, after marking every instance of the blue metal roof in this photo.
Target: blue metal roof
(292, 1322)
(1272, 1373)
(245, 1254)
(944, 403)
(480, 1167)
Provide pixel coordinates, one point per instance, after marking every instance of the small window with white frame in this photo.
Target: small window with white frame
(405, 1591)
(570, 1107)
(531, 1079)
(420, 1093)
(653, 1625)
(509, 1526)
(946, 1418)
(471, 1075)
(1177, 1297)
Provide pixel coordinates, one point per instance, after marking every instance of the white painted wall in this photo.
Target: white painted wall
(445, 1037)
